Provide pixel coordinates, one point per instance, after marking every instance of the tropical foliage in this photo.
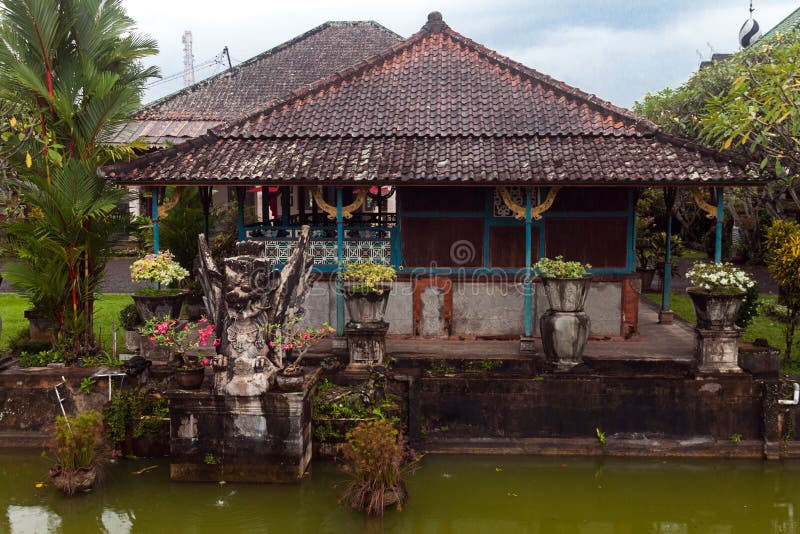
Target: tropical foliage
(160, 268)
(71, 69)
(783, 261)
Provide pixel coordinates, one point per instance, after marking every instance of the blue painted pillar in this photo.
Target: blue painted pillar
(240, 233)
(154, 218)
(720, 216)
(528, 293)
(340, 263)
(666, 295)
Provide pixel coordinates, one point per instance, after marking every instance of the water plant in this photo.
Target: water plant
(376, 459)
(561, 268)
(601, 437)
(77, 446)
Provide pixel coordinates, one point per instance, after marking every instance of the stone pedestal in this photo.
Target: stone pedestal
(717, 350)
(339, 345)
(150, 350)
(366, 343)
(266, 438)
(527, 345)
(564, 336)
(665, 316)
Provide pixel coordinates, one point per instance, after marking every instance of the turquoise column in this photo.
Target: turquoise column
(154, 218)
(528, 326)
(340, 263)
(665, 316)
(666, 295)
(240, 213)
(720, 215)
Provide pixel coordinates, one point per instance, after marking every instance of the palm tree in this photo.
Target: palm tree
(75, 67)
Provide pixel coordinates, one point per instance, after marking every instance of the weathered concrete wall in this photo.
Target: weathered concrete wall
(488, 309)
(29, 406)
(482, 307)
(320, 306)
(554, 406)
(241, 439)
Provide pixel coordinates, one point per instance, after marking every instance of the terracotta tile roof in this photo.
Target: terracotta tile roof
(437, 107)
(316, 54)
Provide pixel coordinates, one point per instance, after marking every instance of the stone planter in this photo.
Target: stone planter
(189, 377)
(760, 360)
(160, 306)
(132, 338)
(567, 294)
(715, 311)
(365, 307)
(564, 336)
(40, 327)
(647, 278)
(290, 382)
(717, 345)
(195, 307)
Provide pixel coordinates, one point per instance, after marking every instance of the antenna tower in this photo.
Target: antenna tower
(188, 59)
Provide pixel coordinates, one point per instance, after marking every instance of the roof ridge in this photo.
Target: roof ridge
(435, 24)
(263, 55)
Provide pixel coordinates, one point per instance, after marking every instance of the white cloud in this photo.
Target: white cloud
(616, 49)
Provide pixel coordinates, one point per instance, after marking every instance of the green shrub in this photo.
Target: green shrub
(41, 358)
(561, 268)
(129, 317)
(22, 342)
(368, 275)
(749, 309)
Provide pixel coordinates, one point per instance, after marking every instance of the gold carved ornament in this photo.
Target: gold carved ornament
(347, 211)
(536, 211)
(164, 208)
(710, 209)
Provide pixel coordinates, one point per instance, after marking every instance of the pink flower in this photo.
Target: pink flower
(331, 329)
(271, 344)
(216, 342)
(151, 338)
(306, 335)
(203, 320)
(299, 343)
(166, 340)
(205, 362)
(186, 327)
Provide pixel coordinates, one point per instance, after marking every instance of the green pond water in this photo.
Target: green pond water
(449, 494)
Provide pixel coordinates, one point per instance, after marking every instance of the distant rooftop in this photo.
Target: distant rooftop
(318, 53)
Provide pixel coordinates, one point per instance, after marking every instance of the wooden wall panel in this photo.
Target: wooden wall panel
(442, 199)
(445, 242)
(591, 199)
(507, 246)
(600, 241)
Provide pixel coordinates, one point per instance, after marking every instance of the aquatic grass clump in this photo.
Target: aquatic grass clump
(376, 458)
(77, 448)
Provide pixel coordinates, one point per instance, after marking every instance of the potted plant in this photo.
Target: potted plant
(180, 338)
(565, 326)
(77, 446)
(295, 341)
(163, 271)
(566, 283)
(129, 321)
(366, 287)
(717, 291)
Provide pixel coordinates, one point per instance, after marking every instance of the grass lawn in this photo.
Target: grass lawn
(106, 313)
(762, 325)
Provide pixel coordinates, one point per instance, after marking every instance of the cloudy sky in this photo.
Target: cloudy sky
(617, 49)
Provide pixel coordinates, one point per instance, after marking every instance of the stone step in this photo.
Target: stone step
(13, 439)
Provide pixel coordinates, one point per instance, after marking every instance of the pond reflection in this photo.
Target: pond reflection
(448, 494)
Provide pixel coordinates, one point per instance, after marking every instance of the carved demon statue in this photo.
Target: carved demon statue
(242, 300)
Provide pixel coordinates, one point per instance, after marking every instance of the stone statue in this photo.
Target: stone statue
(249, 295)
